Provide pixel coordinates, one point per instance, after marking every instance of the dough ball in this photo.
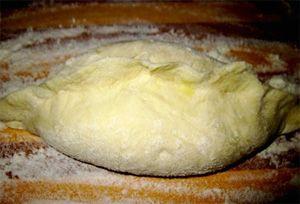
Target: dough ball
(151, 108)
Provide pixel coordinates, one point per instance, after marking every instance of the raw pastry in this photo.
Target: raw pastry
(152, 108)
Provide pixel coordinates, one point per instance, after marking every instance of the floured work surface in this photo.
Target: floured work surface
(32, 171)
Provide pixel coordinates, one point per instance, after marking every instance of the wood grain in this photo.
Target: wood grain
(118, 13)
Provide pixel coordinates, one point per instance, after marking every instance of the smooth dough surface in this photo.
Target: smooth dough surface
(151, 108)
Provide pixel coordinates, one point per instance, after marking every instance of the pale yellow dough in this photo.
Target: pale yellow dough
(151, 108)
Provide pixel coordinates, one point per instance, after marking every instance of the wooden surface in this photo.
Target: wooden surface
(252, 179)
(159, 12)
(265, 20)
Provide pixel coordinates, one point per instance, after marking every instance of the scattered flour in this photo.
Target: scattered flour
(279, 147)
(282, 145)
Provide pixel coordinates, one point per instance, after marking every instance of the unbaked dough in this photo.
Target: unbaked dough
(151, 108)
